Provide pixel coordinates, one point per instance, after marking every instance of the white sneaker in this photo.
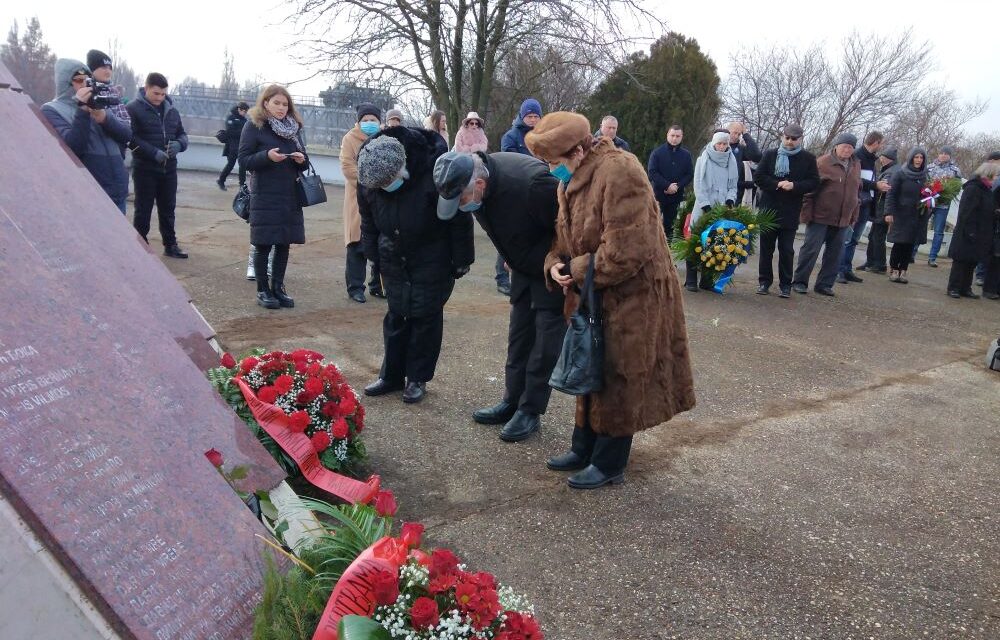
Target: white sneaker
(250, 271)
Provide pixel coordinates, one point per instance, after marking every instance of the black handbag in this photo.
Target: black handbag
(241, 203)
(310, 188)
(580, 368)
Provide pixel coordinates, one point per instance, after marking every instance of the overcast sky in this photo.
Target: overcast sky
(187, 38)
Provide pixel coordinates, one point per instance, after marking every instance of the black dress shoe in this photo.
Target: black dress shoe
(283, 298)
(850, 277)
(799, 287)
(863, 267)
(693, 288)
(504, 288)
(592, 478)
(519, 427)
(824, 291)
(763, 290)
(376, 292)
(173, 251)
(970, 294)
(414, 392)
(497, 414)
(567, 462)
(381, 387)
(359, 297)
(266, 300)
(784, 292)
(954, 294)
(991, 296)
(222, 185)
(706, 286)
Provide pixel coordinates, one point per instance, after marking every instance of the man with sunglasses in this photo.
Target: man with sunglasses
(93, 134)
(784, 175)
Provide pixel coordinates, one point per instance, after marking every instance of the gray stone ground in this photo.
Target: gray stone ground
(838, 478)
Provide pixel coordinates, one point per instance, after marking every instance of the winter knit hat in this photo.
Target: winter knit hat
(380, 161)
(949, 150)
(368, 109)
(97, 59)
(890, 153)
(530, 106)
(845, 138)
(393, 113)
(556, 134)
(719, 136)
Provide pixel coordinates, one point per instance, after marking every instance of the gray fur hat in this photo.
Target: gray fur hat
(380, 162)
(845, 138)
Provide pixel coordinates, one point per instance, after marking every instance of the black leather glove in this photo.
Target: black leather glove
(161, 157)
(706, 208)
(173, 148)
(458, 272)
(730, 203)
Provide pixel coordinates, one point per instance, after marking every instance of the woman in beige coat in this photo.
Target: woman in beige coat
(369, 123)
(607, 209)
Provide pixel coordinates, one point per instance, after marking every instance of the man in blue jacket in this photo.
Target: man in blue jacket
(94, 135)
(670, 170)
(157, 137)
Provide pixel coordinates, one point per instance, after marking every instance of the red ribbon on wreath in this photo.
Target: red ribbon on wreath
(930, 194)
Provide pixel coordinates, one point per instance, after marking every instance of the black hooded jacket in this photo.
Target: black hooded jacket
(234, 128)
(418, 253)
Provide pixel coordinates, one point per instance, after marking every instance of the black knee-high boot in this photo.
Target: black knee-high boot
(278, 276)
(265, 297)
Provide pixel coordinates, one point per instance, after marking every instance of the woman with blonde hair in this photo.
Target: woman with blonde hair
(609, 218)
(273, 151)
(438, 123)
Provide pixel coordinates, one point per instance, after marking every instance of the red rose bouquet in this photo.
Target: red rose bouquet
(310, 391)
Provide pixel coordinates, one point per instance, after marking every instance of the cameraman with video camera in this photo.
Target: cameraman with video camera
(80, 115)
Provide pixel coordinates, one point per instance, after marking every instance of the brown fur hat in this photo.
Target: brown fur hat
(556, 134)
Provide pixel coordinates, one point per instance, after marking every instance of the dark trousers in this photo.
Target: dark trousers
(854, 238)
(152, 187)
(785, 241)
(668, 212)
(691, 275)
(819, 236)
(355, 268)
(960, 278)
(503, 277)
(230, 163)
(412, 346)
(607, 453)
(991, 282)
(876, 246)
(534, 342)
(901, 256)
(260, 258)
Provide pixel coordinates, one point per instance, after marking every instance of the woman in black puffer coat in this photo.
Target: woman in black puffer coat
(273, 150)
(905, 214)
(420, 255)
(974, 239)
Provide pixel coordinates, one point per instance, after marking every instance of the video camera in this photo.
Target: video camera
(102, 95)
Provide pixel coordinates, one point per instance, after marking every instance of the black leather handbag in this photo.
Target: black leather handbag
(241, 203)
(580, 368)
(310, 188)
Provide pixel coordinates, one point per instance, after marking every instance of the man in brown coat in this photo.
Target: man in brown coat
(828, 213)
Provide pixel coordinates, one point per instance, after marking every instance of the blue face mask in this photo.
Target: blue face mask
(469, 207)
(369, 128)
(394, 186)
(563, 173)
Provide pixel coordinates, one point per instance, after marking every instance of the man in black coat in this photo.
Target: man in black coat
(420, 255)
(670, 170)
(157, 137)
(745, 149)
(867, 155)
(783, 176)
(513, 196)
(609, 129)
(875, 256)
(231, 147)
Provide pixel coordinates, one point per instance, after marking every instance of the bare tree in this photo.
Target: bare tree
(934, 118)
(228, 82)
(453, 48)
(871, 83)
(121, 72)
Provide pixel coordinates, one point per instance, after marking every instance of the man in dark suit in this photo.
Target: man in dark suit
(670, 170)
(513, 196)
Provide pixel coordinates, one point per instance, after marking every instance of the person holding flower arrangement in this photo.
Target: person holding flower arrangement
(943, 169)
(784, 176)
(607, 213)
(716, 181)
(975, 237)
(906, 214)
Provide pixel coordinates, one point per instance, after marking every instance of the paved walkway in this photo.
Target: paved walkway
(838, 478)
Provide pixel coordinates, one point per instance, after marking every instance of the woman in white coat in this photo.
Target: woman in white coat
(716, 181)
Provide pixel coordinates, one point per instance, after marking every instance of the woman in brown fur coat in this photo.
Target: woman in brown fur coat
(606, 208)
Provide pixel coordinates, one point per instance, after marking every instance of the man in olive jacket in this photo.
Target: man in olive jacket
(827, 214)
(513, 197)
(784, 176)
